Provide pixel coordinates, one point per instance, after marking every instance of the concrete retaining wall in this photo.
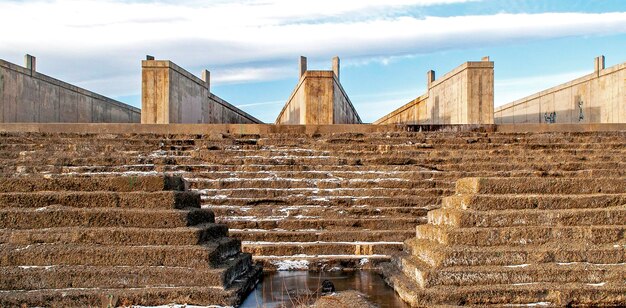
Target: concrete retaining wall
(169, 94)
(462, 96)
(30, 97)
(318, 99)
(599, 97)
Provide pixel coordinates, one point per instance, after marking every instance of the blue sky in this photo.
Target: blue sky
(252, 47)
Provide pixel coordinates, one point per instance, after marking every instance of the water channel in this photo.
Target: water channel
(290, 288)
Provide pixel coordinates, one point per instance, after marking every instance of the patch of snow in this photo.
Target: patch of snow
(596, 284)
(290, 265)
(515, 266)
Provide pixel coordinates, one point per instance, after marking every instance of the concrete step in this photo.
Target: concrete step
(148, 296)
(318, 192)
(333, 262)
(321, 248)
(101, 199)
(64, 277)
(133, 236)
(540, 186)
(326, 224)
(517, 218)
(260, 235)
(196, 256)
(291, 211)
(411, 201)
(426, 276)
(523, 235)
(285, 183)
(438, 255)
(484, 202)
(55, 216)
(555, 294)
(117, 184)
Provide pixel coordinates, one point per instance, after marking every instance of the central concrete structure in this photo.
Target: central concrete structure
(318, 98)
(462, 96)
(169, 94)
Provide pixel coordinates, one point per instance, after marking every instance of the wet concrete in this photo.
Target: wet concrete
(292, 288)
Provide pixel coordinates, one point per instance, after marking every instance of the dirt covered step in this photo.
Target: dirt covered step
(345, 201)
(488, 202)
(60, 216)
(321, 248)
(324, 262)
(147, 296)
(517, 218)
(261, 235)
(525, 294)
(101, 199)
(522, 235)
(63, 277)
(198, 234)
(289, 211)
(322, 193)
(426, 276)
(119, 184)
(197, 256)
(384, 182)
(436, 254)
(540, 186)
(325, 224)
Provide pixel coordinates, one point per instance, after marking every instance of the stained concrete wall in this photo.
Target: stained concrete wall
(599, 97)
(319, 98)
(462, 96)
(31, 97)
(170, 94)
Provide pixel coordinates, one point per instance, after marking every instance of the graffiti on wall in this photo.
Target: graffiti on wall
(581, 115)
(550, 117)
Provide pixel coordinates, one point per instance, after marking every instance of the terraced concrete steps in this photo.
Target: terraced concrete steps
(91, 241)
(290, 191)
(526, 240)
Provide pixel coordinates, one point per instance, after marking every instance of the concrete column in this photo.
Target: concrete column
(485, 59)
(206, 76)
(599, 64)
(430, 77)
(149, 57)
(302, 65)
(336, 66)
(30, 63)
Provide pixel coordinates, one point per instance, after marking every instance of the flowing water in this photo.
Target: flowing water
(289, 288)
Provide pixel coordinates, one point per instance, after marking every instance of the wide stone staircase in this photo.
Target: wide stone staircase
(519, 241)
(113, 241)
(318, 201)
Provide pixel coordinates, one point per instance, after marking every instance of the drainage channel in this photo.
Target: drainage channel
(294, 288)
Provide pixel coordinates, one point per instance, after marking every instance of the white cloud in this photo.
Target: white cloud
(241, 41)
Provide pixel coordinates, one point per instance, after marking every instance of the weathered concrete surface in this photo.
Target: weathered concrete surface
(599, 97)
(296, 129)
(169, 94)
(318, 98)
(27, 96)
(462, 96)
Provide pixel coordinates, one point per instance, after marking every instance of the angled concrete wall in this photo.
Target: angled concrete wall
(462, 96)
(169, 94)
(318, 98)
(27, 96)
(599, 97)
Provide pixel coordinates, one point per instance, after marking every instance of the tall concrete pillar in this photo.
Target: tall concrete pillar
(302, 66)
(430, 77)
(336, 66)
(206, 77)
(599, 64)
(30, 63)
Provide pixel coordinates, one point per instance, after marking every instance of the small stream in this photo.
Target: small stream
(290, 288)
